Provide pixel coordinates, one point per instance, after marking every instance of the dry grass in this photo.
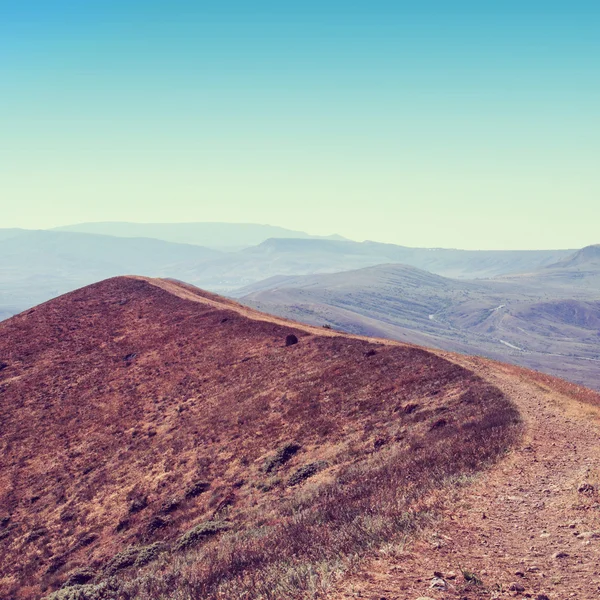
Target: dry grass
(100, 453)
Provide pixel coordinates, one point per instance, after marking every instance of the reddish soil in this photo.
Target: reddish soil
(115, 400)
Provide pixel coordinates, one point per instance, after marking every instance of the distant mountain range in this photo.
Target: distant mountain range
(220, 236)
(548, 320)
(537, 308)
(38, 265)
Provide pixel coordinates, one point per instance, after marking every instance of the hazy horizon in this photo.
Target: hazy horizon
(456, 125)
(273, 225)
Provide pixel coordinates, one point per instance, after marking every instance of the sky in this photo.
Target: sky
(431, 123)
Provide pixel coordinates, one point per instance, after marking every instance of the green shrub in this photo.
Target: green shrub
(201, 532)
(280, 457)
(149, 553)
(134, 556)
(79, 577)
(197, 488)
(306, 471)
(122, 560)
(102, 591)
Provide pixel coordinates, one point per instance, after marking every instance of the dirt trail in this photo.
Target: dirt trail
(524, 525)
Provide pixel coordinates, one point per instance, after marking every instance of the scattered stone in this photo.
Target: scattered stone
(516, 587)
(291, 339)
(542, 597)
(437, 583)
(560, 554)
(519, 574)
(586, 488)
(451, 575)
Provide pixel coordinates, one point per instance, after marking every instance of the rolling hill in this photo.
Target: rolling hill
(539, 320)
(157, 439)
(39, 265)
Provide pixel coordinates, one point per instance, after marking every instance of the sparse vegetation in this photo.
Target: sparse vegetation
(107, 590)
(470, 577)
(306, 471)
(122, 560)
(280, 457)
(80, 577)
(252, 535)
(201, 532)
(197, 488)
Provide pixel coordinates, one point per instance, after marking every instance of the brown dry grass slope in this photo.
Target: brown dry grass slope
(161, 442)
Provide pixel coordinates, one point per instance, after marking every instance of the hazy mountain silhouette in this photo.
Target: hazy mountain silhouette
(229, 236)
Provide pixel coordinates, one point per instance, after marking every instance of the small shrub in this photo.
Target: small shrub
(471, 578)
(281, 457)
(149, 553)
(201, 532)
(138, 504)
(79, 577)
(36, 534)
(102, 591)
(134, 556)
(270, 484)
(306, 471)
(122, 560)
(156, 523)
(169, 506)
(197, 488)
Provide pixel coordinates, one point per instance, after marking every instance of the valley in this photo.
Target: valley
(548, 320)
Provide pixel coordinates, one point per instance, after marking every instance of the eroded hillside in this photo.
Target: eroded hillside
(156, 439)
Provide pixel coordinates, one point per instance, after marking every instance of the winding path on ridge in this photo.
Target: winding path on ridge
(524, 524)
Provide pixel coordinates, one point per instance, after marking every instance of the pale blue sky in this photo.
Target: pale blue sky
(462, 124)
